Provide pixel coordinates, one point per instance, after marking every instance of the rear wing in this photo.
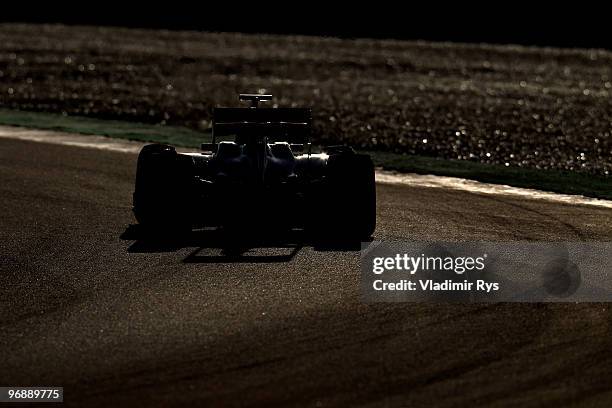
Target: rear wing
(292, 124)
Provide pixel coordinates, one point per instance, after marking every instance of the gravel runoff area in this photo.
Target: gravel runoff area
(542, 108)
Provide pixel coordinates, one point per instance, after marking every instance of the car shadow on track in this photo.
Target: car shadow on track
(216, 245)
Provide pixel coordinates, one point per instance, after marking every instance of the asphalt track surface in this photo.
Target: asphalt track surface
(115, 322)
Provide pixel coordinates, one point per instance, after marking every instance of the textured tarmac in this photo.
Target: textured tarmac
(116, 322)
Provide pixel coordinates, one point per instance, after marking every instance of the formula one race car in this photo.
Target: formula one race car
(265, 178)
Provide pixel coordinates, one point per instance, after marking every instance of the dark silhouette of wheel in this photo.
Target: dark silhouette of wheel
(160, 202)
(347, 206)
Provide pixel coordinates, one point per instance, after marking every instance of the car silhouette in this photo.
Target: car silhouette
(259, 173)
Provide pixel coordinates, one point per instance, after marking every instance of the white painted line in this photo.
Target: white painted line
(455, 183)
(70, 139)
(418, 180)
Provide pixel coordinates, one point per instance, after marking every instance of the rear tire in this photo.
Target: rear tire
(161, 198)
(348, 203)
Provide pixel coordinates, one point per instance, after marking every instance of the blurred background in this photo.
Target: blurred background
(452, 82)
(517, 22)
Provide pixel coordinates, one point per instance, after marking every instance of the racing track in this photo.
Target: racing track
(116, 322)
